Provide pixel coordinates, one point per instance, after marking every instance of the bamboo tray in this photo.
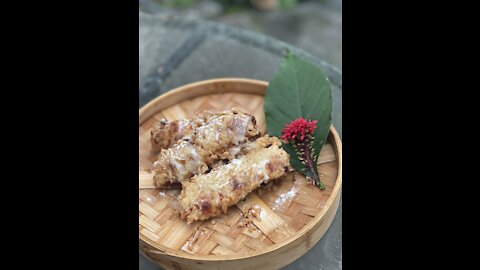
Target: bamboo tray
(293, 214)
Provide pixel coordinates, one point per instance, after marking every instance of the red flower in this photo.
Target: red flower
(298, 129)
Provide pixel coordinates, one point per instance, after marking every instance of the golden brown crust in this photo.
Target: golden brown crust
(165, 134)
(211, 194)
(219, 137)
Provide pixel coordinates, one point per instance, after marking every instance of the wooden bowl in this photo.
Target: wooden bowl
(294, 214)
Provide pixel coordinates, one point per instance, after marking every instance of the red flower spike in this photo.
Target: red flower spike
(300, 133)
(298, 128)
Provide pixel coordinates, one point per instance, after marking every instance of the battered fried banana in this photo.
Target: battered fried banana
(210, 195)
(165, 134)
(220, 137)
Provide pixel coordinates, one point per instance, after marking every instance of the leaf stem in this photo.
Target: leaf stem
(306, 156)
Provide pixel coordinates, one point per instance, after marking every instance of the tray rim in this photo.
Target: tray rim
(170, 98)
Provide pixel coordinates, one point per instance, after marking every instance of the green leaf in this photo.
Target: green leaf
(299, 89)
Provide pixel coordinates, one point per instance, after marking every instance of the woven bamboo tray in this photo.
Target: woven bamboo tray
(293, 214)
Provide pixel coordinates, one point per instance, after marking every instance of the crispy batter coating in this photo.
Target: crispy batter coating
(220, 137)
(209, 195)
(165, 134)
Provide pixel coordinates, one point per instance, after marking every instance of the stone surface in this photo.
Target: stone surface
(220, 56)
(199, 9)
(176, 51)
(153, 54)
(314, 26)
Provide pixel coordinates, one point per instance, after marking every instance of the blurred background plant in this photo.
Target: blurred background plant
(237, 5)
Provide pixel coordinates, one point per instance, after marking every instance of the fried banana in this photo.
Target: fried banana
(210, 195)
(220, 137)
